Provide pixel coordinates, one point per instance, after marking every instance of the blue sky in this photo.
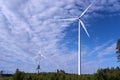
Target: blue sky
(32, 27)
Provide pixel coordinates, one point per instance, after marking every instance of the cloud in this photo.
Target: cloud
(26, 31)
(98, 48)
(109, 50)
(90, 67)
(102, 56)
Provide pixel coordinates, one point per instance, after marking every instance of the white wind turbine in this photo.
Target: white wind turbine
(39, 65)
(80, 22)
(40, 56)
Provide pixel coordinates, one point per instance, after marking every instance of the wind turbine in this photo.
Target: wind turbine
(80, 22)
(39, 61)
(38, 67)
(39, 57)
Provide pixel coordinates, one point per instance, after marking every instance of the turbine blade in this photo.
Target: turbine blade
(84, 28)
(69, 19)
(43, 56)
(86, 9)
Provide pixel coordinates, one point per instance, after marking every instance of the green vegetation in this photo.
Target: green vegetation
(118, 50)
(5, 76)
(101, 74)
(108, 74)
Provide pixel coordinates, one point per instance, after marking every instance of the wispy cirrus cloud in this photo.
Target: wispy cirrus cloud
(102, 56)
(26, 30)
(100, 47)
(109, 50)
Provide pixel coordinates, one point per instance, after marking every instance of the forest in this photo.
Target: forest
(101, 74)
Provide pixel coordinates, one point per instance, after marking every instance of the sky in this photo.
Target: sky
(32, 27)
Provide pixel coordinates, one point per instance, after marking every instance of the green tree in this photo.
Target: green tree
(100, 75)
(18, 75)
(118, 49)
(60, 71)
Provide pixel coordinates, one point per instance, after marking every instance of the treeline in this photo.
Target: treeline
(59, 75)
(101, 74)
(108, 74)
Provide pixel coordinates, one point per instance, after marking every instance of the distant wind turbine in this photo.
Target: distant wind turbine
(38, 67)
(80, 22)
(39, 57)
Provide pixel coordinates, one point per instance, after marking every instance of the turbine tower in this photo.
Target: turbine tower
(80, 22)
(38, 67)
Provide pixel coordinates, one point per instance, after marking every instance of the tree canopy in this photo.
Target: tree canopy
(118, 49)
